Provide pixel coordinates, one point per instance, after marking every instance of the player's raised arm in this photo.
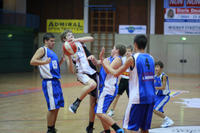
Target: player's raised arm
(36, 59)
(84, 39)
(70, 63)
(116, 72)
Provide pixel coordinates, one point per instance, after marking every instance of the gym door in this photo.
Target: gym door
(183, 58)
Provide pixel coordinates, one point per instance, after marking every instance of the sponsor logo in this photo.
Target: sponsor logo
(176, 3)
(195, 3)
(130, 29)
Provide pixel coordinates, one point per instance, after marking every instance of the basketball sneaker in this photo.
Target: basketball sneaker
(111, 113)
(73, 107)
(89, 130)
(167, 122)
(120, 130)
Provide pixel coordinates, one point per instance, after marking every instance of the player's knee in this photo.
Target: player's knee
(92, 104)
(155, 111)
(93, 85)
(100, 115)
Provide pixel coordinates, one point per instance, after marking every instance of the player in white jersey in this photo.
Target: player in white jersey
(161, 83)
(86, 74)
(139, 111)
(108, 90)
(123, 84)
(49, 68)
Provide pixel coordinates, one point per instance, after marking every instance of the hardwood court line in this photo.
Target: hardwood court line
(34, 89)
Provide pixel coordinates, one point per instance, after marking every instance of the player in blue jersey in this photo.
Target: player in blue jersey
(124, 79)
(139, 110)
(108, 89)
(162, 94)
(49, 67)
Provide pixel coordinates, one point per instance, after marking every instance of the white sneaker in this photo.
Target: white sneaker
(167, 123)
(111, 113)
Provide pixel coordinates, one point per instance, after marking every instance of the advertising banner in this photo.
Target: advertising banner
(59, 25)
(132, 29)
(182, 17)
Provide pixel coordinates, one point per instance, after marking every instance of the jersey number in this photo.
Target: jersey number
(147, 63)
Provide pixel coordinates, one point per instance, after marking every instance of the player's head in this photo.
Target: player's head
(140, 42)
(129, 50)
(159, 66)
(67, 35)
(118, 50)
(49, 40)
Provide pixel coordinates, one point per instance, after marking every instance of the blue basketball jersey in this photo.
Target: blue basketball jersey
(158, 83)
(102, 75)
(51, 70)
(141, 82)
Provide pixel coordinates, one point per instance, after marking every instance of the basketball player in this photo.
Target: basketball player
(123, 84)
(139, 110)
(162, 94)
(86, 74)
(108, 90)
(49, 68)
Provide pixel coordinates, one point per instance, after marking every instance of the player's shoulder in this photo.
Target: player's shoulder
(41, 50)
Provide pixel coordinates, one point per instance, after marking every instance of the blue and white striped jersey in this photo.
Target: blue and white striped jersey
(158, 83)
(51, 70)
(141, 81)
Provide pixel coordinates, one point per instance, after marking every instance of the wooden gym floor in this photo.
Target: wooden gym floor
(23, 108)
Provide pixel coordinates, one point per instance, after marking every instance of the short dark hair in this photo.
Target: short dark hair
(47, 36)
(130, 47)
(141, 41)
(122, 49)
(63, 35)
(159, 63)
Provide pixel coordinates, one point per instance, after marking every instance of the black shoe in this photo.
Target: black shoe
(73, 107)
(89, 130)
(52, 131)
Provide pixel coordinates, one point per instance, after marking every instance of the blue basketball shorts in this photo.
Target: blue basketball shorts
(138, 116)
(160, 101)
(104, 101)
(53, 93)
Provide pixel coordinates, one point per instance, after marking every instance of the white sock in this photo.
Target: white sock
(166, 118)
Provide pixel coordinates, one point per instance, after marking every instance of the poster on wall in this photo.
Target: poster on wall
(132, 29)
(59, 25)
(182, 17)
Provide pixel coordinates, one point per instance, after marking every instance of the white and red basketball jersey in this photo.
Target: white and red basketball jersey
(126, 74)
(81, 61)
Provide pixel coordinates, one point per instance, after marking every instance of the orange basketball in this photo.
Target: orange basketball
(69, 48)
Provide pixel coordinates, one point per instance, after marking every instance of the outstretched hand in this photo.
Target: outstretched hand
(48, 60)
(93, 59)
(101, 55)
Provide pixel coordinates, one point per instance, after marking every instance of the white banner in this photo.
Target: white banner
(182, 21)
(132, 29)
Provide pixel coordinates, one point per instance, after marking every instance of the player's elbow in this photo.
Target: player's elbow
(90, 39)
(32, 63)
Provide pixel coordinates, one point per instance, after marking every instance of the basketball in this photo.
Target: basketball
(69, 48)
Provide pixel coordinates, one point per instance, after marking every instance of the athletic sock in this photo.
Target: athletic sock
(115, 127)
(107, 131)
(91, 124)
(78, 101)
(50, 128)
